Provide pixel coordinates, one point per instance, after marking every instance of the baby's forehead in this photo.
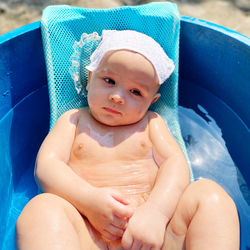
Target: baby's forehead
(129, 64)
(127, 58)
(135, 41)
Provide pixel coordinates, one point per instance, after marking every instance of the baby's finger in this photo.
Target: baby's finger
(127, 240)
(119, 197)
(107, 235)
(115, 230)
(122, 211)
(117, 222)
(147, 247)
(136, 245)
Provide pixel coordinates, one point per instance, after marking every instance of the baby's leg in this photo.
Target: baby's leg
(206, 218)
(50, 222)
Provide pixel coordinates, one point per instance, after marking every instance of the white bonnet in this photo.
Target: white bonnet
(134, 41)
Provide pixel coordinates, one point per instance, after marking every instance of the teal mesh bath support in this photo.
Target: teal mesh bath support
(63, 25)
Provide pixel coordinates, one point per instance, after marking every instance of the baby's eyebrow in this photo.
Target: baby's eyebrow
(110, 72)
(106, 71)
(142, 86)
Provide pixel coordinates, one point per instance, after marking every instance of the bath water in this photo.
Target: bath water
(210, 159)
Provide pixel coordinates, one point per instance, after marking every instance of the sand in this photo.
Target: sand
(233, 14)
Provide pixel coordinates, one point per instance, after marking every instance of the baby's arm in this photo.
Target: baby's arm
(147, 226)
(173, 175)
(106, 209)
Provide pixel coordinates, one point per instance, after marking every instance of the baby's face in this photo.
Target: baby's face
(122, 88)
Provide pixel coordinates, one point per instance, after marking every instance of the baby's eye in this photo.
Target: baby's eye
(136, 92)
(109, 81)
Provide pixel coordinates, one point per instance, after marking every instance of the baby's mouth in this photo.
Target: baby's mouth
(112, 110)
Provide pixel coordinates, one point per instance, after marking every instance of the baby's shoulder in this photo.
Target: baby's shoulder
(155, 120)
(72, 116)
(70, 113)
(153, 116)
(76, 112)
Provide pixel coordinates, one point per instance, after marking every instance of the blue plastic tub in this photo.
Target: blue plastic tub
(214, 114)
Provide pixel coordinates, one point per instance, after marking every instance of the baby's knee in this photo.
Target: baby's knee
(41, 204)
(42, 209)
(211, 201)
(210, 194)
(204, 193)
(203, 197)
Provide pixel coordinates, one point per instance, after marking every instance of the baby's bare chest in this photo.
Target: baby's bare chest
(120, 158)
(111, 146)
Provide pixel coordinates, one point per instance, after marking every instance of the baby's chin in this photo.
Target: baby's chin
(115, 122)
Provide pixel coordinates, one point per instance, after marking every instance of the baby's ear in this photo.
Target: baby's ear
(89, 76)
(156, 97)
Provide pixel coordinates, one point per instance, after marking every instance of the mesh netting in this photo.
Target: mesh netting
(63, 25)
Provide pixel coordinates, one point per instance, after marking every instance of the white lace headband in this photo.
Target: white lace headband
(134, 41)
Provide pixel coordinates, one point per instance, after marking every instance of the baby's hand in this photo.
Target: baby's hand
(146, 228)
(108, 212)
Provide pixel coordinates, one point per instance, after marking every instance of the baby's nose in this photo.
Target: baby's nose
(117, 98)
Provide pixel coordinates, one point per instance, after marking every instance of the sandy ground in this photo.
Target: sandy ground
(233, 14)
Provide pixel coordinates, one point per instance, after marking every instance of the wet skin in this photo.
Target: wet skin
(120, 158)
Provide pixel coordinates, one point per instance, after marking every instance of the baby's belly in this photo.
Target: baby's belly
(134, 180)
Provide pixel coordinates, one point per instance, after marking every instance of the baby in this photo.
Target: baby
(113, 174)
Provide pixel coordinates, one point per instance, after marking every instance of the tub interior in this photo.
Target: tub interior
(202, 130)
(211, 147)
(215, 128)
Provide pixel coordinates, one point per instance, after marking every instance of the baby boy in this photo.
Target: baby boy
(113, 171)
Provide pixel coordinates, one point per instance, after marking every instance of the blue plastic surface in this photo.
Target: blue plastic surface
(214, 73)
(24, 122)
